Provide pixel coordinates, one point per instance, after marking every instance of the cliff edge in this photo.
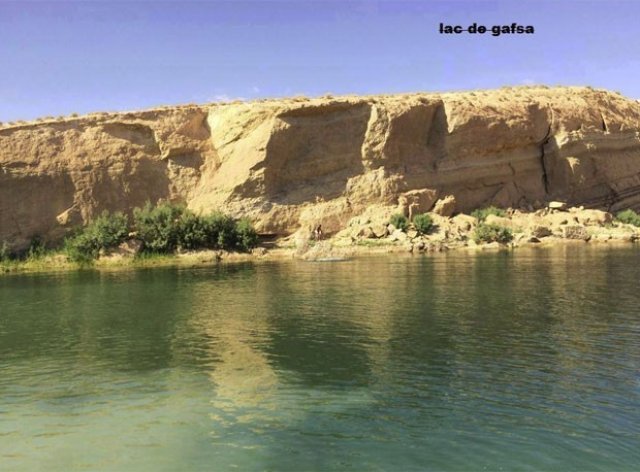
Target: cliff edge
(291, 163)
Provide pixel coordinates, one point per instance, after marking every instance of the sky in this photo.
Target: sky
(63, 57)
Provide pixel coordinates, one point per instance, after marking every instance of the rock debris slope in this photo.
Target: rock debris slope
(289, 163)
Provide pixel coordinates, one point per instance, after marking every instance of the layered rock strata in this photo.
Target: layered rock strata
(292, 163)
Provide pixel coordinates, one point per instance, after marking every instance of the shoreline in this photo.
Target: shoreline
(372, 234)
(329, 251)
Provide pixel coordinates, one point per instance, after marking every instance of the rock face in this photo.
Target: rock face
(298, 162)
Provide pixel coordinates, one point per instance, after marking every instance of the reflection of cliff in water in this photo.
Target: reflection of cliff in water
(352, 330)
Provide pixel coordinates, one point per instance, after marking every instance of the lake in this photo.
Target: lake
(524, 360)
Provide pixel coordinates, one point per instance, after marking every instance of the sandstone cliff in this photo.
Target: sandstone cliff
(297, 162)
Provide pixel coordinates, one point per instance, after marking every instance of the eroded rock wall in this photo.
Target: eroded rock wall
(298, 162)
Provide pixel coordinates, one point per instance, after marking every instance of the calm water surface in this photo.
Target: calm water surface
(510, 361)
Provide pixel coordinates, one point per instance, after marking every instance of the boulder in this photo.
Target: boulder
(366, 232)
(380, 230)
(130, 247)
(539, 231)
(557, 205)
(463, 222)
(415, 202)
(575, 232)
(399, 235)
(445, 206)
(594, 217)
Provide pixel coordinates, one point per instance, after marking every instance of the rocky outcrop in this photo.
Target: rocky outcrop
(298, 162)
(517, 228)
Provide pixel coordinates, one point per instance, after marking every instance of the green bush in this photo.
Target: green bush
(399, 221)
(481, 213)
(485, 233)
(166, 227)
(222, 231)
(423, 223)
(106, 231)
(215, 231)
(162, 229)
(247, 237)
(629, 217)
(159, 227)
(194, 232)
(81, 249)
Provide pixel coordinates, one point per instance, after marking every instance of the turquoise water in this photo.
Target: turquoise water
(526, 360)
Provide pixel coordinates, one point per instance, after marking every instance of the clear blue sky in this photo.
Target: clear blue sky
(67, 56)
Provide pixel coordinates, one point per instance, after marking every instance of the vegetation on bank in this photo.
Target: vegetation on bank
(399, 221)
(167, 234)
(629, 217)
(489, 233)
(106, 231)
(423, 223)
(36, 257)
(162, 229)
(481, 213)
(486, 233)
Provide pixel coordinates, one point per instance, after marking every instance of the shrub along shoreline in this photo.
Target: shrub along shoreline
(161, 229)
